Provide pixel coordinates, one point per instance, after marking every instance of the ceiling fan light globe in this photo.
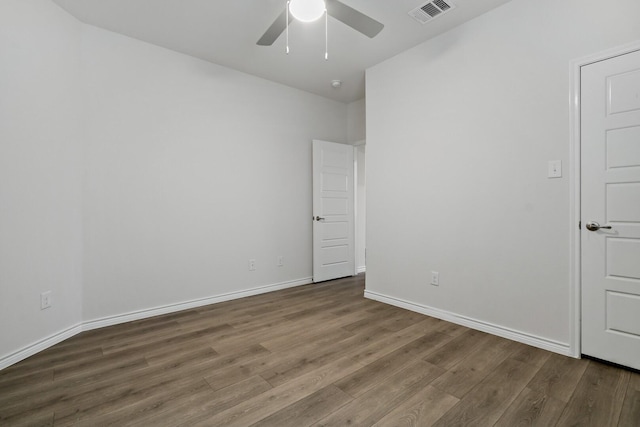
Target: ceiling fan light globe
(307, 10)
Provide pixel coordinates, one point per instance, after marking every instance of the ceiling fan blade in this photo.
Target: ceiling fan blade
(356, 20)
(274, 31)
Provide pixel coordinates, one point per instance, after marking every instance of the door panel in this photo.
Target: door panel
(333, 203)
(623, 150)
(622, 312)
(623, 258)
(623, 89)
(623, 202)
(610, 182)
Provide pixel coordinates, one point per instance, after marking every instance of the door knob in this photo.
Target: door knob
(594, 226)
(319, 218)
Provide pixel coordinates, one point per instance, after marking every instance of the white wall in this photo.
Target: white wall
(459, 132)
(356, 126)
(193, 169)
(133, 178)
(40, 172)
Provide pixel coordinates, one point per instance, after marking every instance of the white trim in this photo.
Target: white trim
(39, 346)
(355, 211)
(575, 189)
(172, 308)
(362, 269)
(58, 337)
(533, 340)
(574, 212)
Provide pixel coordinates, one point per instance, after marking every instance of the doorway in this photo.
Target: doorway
(608, 239)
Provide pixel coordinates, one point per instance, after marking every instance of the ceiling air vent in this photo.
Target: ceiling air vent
(430, 11)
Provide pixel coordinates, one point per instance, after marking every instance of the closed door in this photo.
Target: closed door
(610, 211)
(333, 211)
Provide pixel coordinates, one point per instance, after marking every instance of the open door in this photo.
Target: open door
(610, 194)
(333, 211)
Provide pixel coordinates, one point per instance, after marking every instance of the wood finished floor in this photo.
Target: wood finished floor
(318, 355)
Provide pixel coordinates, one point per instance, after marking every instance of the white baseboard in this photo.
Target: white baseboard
(186, 305)
(532, 340)
(51, 340)
(362, 269)
(40, 345)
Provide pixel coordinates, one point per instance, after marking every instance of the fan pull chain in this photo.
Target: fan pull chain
(326, 35)
(287, 12)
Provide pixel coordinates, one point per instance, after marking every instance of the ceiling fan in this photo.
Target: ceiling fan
(343, 13)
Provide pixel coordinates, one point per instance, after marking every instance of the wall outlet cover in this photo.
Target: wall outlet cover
(435, 278)
(555, 169)
(45, 300)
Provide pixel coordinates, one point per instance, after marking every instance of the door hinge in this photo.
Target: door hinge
(579, 225)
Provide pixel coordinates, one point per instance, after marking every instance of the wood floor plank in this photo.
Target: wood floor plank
(123, 333)
(203, 406)
(366, 322)
(372, 406)
(171, 337)
(357, 304)
(137, 401)
(75, 395)
(179, 353)
(309, 410)
(422, 409)
(381, 347)
(289, 365)
(319, 311)
(333, 358)
(311, 359)
(23, 382)
(532, 355)
(532, 408)
(467, 373)
(279, 309)
(42, 364)
(228, 343)
(253, 410)
(598, 398)
(449, 328)
(372, 374)
(286, 342)
(104, 366)
(52, 396)
(404, 320)
(236, 372)
(137, 390)
(457, 349)
(37, 419)
(486, 403)
(630, 413)
(559, 376)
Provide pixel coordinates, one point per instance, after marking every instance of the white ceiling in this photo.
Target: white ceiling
(225, 33)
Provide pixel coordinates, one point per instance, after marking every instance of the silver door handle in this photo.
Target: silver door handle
(594, 226)
(319, 218)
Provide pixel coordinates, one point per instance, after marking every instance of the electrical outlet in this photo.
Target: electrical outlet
(45, 300)
(252, 264)
(435, 278)
(280, 261)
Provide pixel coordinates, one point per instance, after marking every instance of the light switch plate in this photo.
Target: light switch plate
(555, 169)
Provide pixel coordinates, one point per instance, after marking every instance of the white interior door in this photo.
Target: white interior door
(333, 211)
(610, 187)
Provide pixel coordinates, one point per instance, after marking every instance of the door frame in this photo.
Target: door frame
(357, 214)
(575, 275)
